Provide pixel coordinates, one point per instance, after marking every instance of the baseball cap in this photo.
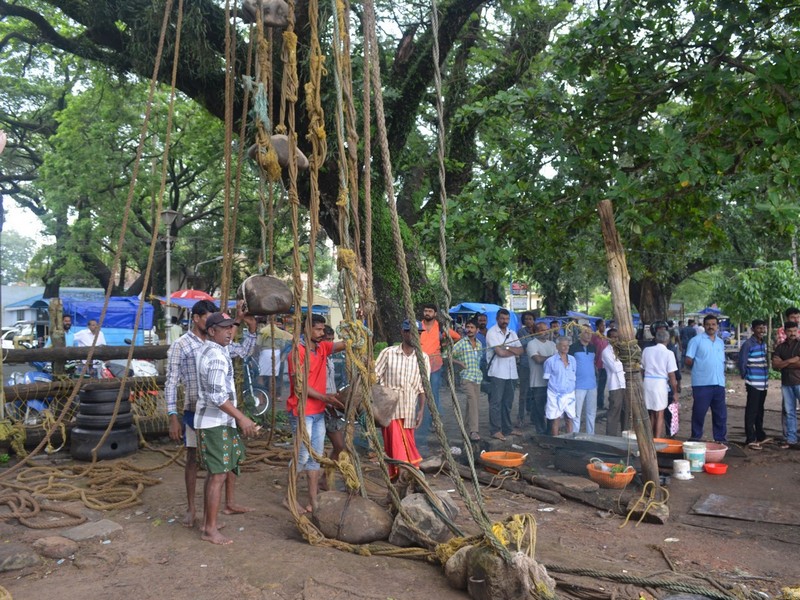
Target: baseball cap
(407, 325)
(219, 319)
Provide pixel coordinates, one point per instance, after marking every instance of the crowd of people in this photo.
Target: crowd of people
(560, 379)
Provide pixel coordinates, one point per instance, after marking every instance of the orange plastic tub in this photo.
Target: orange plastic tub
(716, 468)
(673, 446)
(496, 461)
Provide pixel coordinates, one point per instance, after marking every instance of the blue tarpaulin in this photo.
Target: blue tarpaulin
(119, 319)
(490, 310)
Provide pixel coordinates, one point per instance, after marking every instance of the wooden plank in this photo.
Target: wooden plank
(82, 353)
(747, 509)
(516, 487)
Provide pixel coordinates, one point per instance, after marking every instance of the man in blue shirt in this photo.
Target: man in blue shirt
(559, 372)
(705, 356)
(755, 372)
(586, 380)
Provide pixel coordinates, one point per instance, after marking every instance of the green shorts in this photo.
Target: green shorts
(220, 449)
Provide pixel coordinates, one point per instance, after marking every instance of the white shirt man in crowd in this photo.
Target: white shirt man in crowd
(617, 415)
(85, 337)
(503, 348)
(659, 366)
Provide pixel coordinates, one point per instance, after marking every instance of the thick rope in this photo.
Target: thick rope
(371, 31)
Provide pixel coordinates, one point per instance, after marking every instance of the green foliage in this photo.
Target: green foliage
(17, 252)
(601, 306)
(758, 293)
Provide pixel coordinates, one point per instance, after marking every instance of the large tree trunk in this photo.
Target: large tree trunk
(651, 298)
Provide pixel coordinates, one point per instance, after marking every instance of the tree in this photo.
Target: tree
(762, 292)
(16, 251)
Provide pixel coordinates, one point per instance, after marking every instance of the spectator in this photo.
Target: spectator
(539, 350)
(586, 383)
(754, 371)
(525, 334)
(503, 347)
(617, 415)
(706, 357)
(659, 366)
(467, 354)
(600, 342)
(786, 359)
(86, 337)
(560, 373)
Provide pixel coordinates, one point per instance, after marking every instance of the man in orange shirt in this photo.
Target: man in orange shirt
(430, 340)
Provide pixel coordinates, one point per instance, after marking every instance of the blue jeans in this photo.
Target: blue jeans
(424, 429)
(315, 426)
(585, 399)
(713, 397)
(791, 395)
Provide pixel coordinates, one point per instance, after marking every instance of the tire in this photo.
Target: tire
(102, 396)
(100, 422)
(120, 442)
(104, 408)
(257, 402)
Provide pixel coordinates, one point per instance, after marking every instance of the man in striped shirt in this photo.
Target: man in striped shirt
(397, 367)
(216, 420)
(755, 372)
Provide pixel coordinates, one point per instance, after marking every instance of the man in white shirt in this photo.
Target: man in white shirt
(617, 415)
(85, 337)
(659, 366)
(503, 348)
(539, 349)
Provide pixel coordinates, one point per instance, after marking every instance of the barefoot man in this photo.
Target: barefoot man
(318, 351)
(182, 369)
(216, 419)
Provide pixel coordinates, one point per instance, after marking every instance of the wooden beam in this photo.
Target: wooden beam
(64, 388)
(74, 353)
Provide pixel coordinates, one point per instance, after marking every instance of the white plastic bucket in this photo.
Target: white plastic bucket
(695, 453)
(680, 469)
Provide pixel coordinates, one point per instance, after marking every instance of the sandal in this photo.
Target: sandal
(475, 436)
(754, 446)
(516, 432)
(784, 445)
(766, 440)
(499, 436)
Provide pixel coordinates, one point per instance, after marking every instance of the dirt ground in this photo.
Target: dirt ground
(155, 557)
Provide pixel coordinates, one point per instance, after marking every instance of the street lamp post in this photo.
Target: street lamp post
(168, 217)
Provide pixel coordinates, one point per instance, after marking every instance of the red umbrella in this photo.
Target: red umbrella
(196, 295)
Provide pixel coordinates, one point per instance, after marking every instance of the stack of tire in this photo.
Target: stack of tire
(95, 409)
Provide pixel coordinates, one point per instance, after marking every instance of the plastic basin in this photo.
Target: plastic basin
(715, 468)
(673, 446)
(715, 452)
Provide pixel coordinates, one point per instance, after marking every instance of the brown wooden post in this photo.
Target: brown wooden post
(57, 333)
(619, 282)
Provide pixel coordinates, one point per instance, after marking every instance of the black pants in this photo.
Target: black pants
(501, 397)
(602, 377)
(754, 415)
(538, 399)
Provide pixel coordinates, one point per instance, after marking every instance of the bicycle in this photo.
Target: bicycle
(255, 397)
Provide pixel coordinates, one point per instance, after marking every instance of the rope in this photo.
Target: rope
(476, 511)
(648, 503)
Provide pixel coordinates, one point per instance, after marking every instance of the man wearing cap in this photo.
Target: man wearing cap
(318, 350)
(397, 368)
(182, 370)
(216, 420)
(430, 340)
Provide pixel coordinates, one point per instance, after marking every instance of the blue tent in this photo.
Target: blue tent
(490, 310)
(119, 319)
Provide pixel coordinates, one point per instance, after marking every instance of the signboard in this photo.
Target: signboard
(519, 289)
(519, 302)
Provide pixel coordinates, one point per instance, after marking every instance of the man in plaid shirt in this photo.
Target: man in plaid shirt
(219, 446)
(467, 354)
(182, 369)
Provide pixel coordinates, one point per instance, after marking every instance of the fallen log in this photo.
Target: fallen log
(29, 391)
(516, 487)
(615, 503)
(81, 353)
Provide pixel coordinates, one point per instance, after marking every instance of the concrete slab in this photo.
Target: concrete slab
(94, 529)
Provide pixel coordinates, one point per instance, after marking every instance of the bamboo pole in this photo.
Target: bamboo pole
(619, 284)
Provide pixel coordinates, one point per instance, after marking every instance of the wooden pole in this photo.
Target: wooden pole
(619, 284)
(81, 353)
(57, 333)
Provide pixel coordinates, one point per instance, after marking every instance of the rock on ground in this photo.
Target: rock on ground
(14, 557)
(351, 519)
(424, 518)
(55, 546)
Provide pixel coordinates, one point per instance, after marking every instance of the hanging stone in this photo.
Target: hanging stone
(265, 295)
(281, 145)
(274, 13)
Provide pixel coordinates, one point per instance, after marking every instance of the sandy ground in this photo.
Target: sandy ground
(155, 557)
